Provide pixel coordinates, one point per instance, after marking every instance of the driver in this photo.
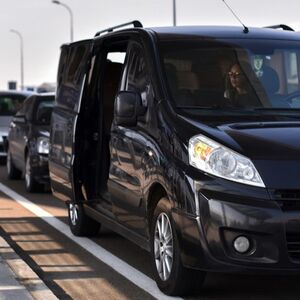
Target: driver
(240, 92)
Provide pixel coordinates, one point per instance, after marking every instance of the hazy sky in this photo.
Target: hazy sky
(45, 26)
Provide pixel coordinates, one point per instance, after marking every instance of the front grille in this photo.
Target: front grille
(287, 194)
(293, 244)
(288, 200)
(289, 205)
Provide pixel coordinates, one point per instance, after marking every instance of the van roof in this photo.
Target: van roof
(225, 32)
(208, 32)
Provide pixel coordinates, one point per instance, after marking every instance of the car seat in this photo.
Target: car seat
(270, 82)
(211, 85)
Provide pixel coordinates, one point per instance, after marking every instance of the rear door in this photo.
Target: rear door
(73, 66)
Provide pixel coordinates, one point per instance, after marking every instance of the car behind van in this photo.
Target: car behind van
(185, 140)
(10, 102)
(28, 142)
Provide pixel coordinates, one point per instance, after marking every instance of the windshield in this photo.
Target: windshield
(233, 76)
(10, 104)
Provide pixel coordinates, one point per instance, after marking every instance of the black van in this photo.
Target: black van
(185, 140)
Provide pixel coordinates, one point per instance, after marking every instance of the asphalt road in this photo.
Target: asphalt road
(72, 272)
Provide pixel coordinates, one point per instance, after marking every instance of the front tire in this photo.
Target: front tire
(171, 276)
(12, 171)
(80, 224)
(31, 185)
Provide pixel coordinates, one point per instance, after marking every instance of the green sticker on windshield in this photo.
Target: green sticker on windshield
(258, 62)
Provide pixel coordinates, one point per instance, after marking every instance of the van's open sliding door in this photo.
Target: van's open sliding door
(73, 66)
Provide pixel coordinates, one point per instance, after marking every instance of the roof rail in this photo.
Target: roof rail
(281, 26)
(135, 23)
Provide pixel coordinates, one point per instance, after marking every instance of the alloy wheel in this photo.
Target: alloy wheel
(8, 163)
(163, 246)
(73, 211)
(27, 172)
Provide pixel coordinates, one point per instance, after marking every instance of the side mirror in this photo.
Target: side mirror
(128, 107)
(19, 119)
(43, 115)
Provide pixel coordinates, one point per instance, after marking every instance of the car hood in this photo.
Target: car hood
(273, 147)
(4, 125)
(266, 140)
(5, 121)
(4, 130)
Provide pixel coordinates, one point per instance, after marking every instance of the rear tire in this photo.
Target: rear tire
(171, 276)
(12, 171)
(80, 224)
(31, 185)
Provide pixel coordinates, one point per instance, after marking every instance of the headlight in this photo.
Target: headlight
(211, 157)
(43, 145)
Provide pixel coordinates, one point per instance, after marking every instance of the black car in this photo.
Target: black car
(28, 142)
(10, 103)
(189, 146)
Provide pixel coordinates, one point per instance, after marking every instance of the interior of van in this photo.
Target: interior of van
(104, 79)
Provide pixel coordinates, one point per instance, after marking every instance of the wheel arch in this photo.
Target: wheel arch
(155, 193)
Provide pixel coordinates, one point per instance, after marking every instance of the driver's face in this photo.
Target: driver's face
(236, 76)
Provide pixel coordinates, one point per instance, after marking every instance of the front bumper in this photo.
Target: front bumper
(3, 146)
(40, 168)
(228, 210)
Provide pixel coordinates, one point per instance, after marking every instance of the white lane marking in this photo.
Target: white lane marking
(11, 288)
(120, 266)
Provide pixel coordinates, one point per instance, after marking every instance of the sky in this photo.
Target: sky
(46, 26)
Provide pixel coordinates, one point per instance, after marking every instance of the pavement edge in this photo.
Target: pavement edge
(24, 274)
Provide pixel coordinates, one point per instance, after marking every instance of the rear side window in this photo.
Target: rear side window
(71, 71)
(138, 76)
(62, 65)
(76, 63)
(10, 104)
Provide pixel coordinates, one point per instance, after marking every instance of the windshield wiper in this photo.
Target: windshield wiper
(213, 107)
(289, 109)
(197, 107)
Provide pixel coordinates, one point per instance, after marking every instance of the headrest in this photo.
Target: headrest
(270, 80)
(172, 78)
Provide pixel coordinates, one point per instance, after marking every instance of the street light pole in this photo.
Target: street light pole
(22, 55)
(71, 17)
(174, 12)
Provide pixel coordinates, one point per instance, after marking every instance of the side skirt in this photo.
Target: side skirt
(118, 228)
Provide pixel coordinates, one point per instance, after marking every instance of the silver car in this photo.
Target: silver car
(10, 103)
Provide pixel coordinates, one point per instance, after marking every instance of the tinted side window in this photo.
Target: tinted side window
(62, 64)
(71, 73)
(76, 63)
(138, 78)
